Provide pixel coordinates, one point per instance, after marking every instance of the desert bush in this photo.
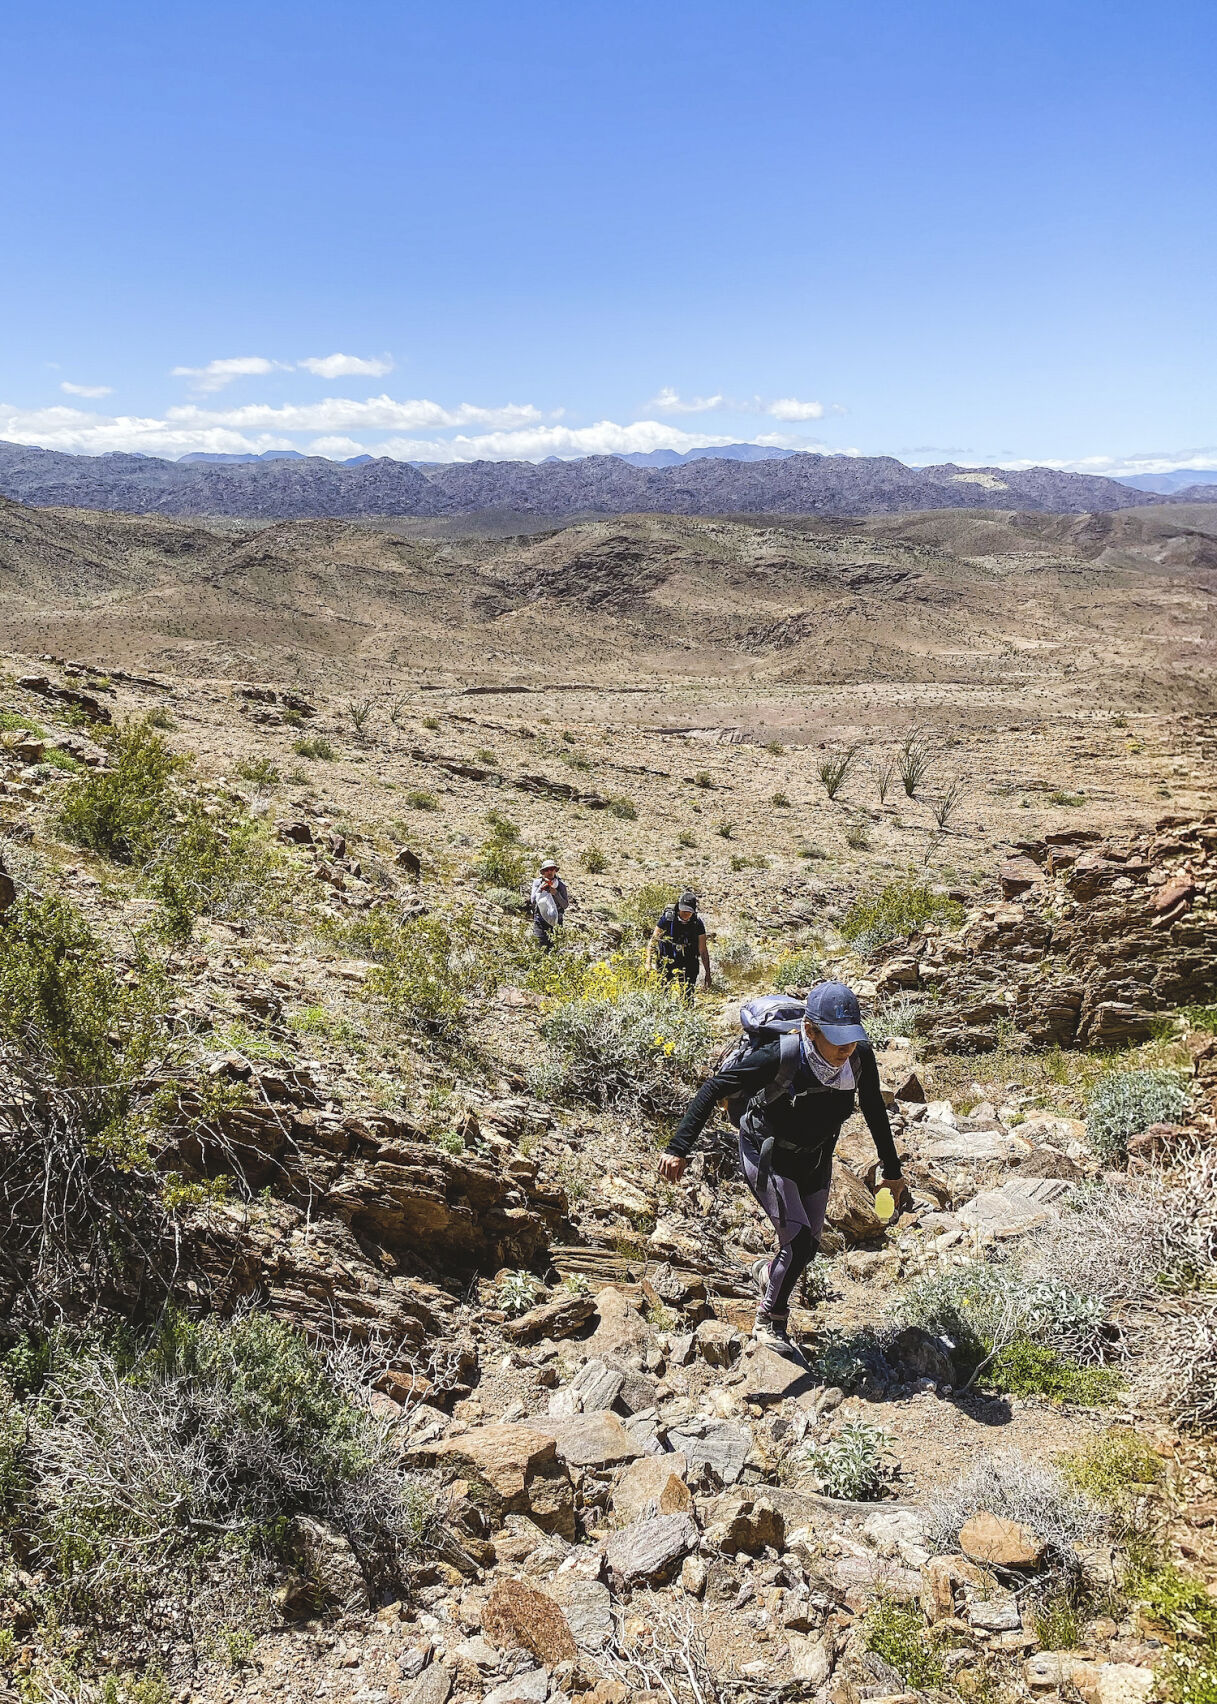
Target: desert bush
(912, 764)
(775, 748)
(885, 774)
(1017, 1489)
(418, 799)
(780, 801)
(944, 805)
(1106, 1468)
(623, 808)
(857, 836)
(845, 1362)
(1071, 801)
(851, 1465)
(725, 829)
(359, 712)
(314, 745)
(1126, 1102)
(704, 779)
(428, 968)
(1024, 1368)
(81, 1038)
(813, 852)
(594, 859)
(798, 970)
(503, 864)
(626, 1040)
(833, 769)
(897, 909)
(983, 1308)
(483, 754)
(686, 839)
(517, 1292)
(896, 1633)
(210, 866)
(896, 1016)
(641, 910)
(259, 770)
(1188, 1613)
(120, 812)
(139, 1460)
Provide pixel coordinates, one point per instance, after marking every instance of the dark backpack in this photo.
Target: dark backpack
(770, 1018)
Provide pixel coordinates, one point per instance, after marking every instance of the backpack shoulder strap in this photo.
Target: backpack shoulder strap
(790, 1052)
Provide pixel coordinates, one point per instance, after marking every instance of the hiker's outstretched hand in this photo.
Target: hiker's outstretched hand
(672, 1167)
(899, 1189)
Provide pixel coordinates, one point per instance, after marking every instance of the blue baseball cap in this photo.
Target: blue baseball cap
(833, 1009)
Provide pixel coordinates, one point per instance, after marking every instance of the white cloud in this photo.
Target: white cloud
(216, 374)
(419, 430)
(605, 438)
(346, 366)
(85, 390)
(669, 402)
(345, 414)
(790, 408)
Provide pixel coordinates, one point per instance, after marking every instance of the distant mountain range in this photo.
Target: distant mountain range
(286, 486)
(1178, 479)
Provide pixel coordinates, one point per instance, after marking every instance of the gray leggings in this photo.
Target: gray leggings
(797, 1215)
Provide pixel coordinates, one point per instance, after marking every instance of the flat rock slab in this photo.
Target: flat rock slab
(519, 1617)
(653, 1485)
(552, 1319)
(770, 1377)
(941, 1145)
(531, 1687)
(993, 1612)
(433, 1686)
(991, 1538)
(587, 1606)
(650, 1551)
(596, 1440)
(723, 1447)
(1016, 1207)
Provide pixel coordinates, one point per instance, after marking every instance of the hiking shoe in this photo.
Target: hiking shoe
(771, 1333)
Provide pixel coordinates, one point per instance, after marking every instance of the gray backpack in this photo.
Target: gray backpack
(769, 1018)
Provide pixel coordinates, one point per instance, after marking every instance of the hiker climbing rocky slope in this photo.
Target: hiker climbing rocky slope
(349, 1342)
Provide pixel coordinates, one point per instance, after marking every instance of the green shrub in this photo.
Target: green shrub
(833, 769)
(210, 866)
(857, 836)
(851, 1465)
(259, 770)
(798, 970)
(78, 1026)
(704, 779)
(896, 1632)
(843, 1361)
(1058, 1623)
(897, 1016)
(780, 801)
(686, 839)
(983, 1308)
(418, 799)
(314, 745)
(1188, 1613)
(428, 969)
(639, 913)
(160, 718)
(54, 757)
(1071, 801)
(625, 1040)
(122, 812)
(483, 754)
(897, 909)
(1024, 1368)
(1124, 1103)
(503, 864)
(775, 748)
(623, 808)
(13, 722)
(1107, 1467)
(812, 853)
(594, 859)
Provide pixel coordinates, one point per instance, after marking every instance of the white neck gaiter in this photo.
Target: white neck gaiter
(832, 1076)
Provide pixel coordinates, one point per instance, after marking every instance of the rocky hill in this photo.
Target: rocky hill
(311, 486)
(351, 1346)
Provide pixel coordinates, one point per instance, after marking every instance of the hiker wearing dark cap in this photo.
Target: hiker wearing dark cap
(548, 902)
(678, 945)
(795, 1088)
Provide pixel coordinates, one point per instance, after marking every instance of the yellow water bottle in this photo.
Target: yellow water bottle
(885, 1204)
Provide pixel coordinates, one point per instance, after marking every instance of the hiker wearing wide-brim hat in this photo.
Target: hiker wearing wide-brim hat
(678, 944)
(548, 901)
(794, 1080)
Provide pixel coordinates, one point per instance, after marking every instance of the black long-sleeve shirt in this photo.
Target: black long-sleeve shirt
(805, 1122)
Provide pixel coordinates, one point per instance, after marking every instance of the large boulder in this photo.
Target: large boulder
(648, 1552)
(653, 1485)
(741, 1521)
(519, 1617)
(520, 1469)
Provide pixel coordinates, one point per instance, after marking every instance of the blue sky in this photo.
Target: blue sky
(941, 231)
